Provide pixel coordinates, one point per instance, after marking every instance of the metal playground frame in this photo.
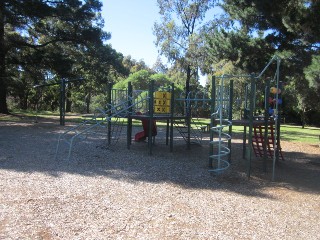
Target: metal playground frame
(177, 112)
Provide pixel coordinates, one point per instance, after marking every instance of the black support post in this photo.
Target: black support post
(62, 101)
(266, 124)
(212, 120)
(230, 116)
(129, 126)
(109, 99)
(171, 117)
(251, 109)
(151, 89)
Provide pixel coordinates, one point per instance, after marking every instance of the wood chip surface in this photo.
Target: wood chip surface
(116, 193)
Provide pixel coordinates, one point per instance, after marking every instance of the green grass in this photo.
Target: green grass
(289, 133)
(32, 113)
(298, 134)
(293, 133)
(9, 118)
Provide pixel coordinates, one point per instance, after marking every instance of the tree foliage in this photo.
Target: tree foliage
(252, 31)
(42, 40)
(177, 33)
(312, 73)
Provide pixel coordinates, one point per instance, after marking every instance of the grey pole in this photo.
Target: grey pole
(249, 149)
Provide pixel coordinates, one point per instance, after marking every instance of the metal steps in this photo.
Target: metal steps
(195, 132)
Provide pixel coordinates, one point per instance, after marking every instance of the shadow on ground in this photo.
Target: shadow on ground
(29, 147)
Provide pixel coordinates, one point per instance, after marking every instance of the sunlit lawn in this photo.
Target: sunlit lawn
(299, 134)
(293, 133)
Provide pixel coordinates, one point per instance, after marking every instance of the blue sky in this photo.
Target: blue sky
(130, 23)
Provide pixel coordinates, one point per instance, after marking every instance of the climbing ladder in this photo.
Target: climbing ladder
(114, 130)
(258, 141)
(195, 132)
(97, 125)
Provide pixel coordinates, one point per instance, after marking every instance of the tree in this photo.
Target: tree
(312, 73)
(39, 24)
(256, 30)
(139, 80)
(177, 33)
(135, 66)
(159, 66)
(99, 65)
(290, 24)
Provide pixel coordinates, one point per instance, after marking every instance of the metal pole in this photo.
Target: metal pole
(245, 116)
(62, 84)
(279, 121)
(275, 57)
(276, 150)
(129, 126)
(109, 99)
(230, 116)
(252, 90)
(62, 101)
(212, 110)
(266, 125)
(151, 87)
(188, 120)
(172, 117)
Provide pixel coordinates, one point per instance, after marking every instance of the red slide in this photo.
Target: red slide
(141, 136)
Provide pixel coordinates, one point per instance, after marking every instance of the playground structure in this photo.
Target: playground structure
(148, 106)
(258, 141)
(271, 119)
(98, 125)
(142, 136)
(162, 104)
(62, 99)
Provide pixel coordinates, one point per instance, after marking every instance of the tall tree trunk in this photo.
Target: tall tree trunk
(188, 107)
(23, 102)
(68, 99)
(188, 80)
(3, 79)
(303, 117)
(88, 100)
(188, 89)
